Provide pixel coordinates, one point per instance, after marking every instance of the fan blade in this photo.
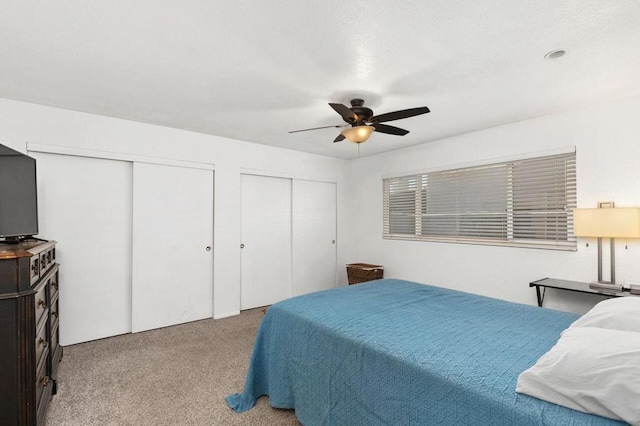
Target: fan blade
(339, 138)
(347, 115)
(391, 130)
(316, 128)
(398, 115)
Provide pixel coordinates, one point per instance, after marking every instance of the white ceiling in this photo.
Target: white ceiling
(254, 70)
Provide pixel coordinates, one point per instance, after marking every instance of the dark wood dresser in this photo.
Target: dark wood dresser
(29, 349)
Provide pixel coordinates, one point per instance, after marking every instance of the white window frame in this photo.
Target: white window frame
(538, 195)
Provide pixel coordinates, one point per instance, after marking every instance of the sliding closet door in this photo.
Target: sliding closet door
(314, 236)
(85, 205)
(172, 245)
(266, 241)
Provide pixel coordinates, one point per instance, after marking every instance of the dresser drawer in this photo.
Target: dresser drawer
(53, 286)
(41, 303)
(54, 338)
(50, 256)
(34, 268)
(41, 344)
(43, 262)
(54, 312)
(55, 349)
(42, 378)
(54, 326)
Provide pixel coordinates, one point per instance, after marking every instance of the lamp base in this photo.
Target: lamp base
(597, 285)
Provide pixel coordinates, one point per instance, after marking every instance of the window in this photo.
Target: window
(522, 203)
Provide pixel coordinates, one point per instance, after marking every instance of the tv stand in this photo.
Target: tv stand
(29, 337)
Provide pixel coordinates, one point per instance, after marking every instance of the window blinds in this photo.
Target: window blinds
(525, 203)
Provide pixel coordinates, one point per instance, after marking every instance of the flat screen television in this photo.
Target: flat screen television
(18, 195)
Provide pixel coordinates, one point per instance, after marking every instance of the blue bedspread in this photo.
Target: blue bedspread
(401, 353)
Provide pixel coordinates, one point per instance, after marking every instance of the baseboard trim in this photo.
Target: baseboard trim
(226, 315)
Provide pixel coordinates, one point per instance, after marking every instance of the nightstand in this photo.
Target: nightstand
(580, 287)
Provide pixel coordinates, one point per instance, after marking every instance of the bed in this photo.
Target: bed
(397, 352)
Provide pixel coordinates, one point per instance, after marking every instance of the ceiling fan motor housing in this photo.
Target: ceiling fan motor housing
(363, 113)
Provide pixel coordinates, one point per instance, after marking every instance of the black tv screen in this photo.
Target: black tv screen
(18, 194)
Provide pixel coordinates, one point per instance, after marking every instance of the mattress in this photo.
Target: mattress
(397, 352)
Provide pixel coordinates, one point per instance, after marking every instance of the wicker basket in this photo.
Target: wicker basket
(361, 272)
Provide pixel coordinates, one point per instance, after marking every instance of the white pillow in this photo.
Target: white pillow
(593, 370)
(618, 313)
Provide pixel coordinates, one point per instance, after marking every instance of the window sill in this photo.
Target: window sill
(518, 244)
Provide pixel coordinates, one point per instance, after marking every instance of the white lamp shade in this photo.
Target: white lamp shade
(358, 134)
(615, 222)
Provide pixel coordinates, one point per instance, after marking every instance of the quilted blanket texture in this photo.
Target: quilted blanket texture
(392, 352)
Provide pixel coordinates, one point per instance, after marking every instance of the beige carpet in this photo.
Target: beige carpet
(172, 376)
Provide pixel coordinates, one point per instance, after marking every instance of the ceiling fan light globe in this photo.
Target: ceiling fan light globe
(358, 134)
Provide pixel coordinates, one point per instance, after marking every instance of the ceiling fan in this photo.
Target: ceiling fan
(363, 122)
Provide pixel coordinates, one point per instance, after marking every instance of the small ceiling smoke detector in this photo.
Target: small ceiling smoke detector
(555, 54)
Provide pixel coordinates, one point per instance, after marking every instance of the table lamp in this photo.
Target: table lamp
(607, 221)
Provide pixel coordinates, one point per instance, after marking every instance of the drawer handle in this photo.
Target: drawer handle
(44, 381)
(34, 267)
(42, 303)
(55, 285)
(55, 314)
(43, 342)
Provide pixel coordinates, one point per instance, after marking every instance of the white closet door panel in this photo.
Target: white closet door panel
(85, 205)
(172, 227)
(314, 236)
(266, 236)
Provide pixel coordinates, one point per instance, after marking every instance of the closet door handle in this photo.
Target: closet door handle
(241, 246)
(208, 248)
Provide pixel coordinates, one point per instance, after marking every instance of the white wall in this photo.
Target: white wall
(22, 122)
(606, 136)
(607, 141)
